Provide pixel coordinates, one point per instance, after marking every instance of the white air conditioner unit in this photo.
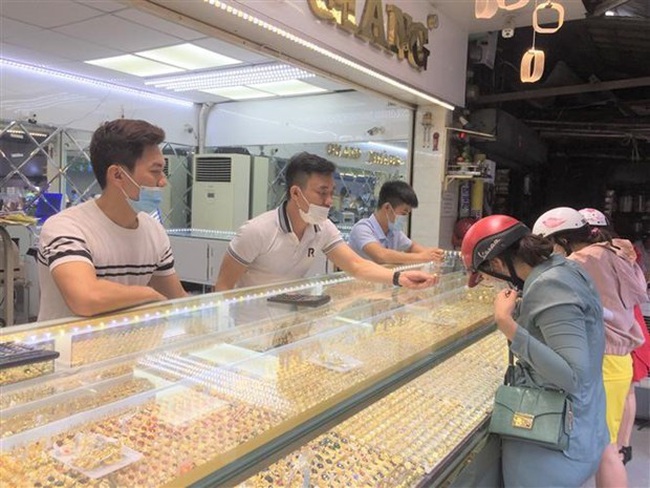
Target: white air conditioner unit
(174, 208)
(220, 191)
(261, 180)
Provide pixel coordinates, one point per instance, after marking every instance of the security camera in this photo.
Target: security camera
(32, 119)
(373, 131)
(508, 30)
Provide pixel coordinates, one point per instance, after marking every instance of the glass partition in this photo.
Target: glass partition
(362, 167)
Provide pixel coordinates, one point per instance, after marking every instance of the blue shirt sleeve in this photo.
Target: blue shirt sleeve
(402, 243)
(361, 235)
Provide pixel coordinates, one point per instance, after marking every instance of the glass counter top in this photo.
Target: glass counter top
(170, 392)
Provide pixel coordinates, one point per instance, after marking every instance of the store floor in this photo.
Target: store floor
(638, 470)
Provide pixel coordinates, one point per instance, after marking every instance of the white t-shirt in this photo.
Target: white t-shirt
(271, 252)
(85, 233)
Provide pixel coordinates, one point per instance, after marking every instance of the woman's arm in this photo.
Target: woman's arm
(554, 308)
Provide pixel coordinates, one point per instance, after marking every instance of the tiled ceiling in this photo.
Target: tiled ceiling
(63, 34)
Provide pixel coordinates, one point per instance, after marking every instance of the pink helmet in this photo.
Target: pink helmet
(558, 219)
(594, 217)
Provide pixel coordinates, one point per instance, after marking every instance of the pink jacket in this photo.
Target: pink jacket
(621, 285)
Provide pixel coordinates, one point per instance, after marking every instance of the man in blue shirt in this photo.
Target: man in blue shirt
(380, 237)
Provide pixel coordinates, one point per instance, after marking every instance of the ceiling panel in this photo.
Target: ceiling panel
(32, 12)
(94, 29)
(104, 5)
(11, 28)
(51, 42)
(230, 50)
(159, 24)
(31, 56)
(116, 33)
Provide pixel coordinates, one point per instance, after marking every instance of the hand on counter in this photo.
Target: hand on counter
(416, 279)
(432, 254)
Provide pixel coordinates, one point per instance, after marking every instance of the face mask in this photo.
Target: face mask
(315, 215)
(148, 200)
(398, 224)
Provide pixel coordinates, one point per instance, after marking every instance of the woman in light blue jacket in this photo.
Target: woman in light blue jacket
(556, 335)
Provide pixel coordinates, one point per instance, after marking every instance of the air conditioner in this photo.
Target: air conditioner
(260, 182)
(220, 191)
(174, 208)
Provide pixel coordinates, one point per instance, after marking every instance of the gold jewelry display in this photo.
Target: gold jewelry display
(178, 409)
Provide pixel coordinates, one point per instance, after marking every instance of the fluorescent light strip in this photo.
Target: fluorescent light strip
(93, 82)
(252, 75)
(314, 47)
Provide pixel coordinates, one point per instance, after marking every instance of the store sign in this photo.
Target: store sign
(399, 34)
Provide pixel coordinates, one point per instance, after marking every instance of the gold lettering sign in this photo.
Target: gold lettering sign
(346, 152)
(401, 35)
(372, 24)
(347, 8)
(384, 159)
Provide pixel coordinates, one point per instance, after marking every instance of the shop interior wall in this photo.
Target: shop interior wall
(65, 103)
(337, 117)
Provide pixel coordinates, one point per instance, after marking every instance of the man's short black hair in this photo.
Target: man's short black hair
(397, 193)
(302, 165)
(121, 141)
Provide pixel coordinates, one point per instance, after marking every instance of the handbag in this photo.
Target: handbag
(539, 416)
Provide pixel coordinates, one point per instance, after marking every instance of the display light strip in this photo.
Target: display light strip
(93, 82)
(320, 50)
(251, 75)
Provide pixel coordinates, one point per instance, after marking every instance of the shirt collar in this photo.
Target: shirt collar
(376, 227)
(285, 222)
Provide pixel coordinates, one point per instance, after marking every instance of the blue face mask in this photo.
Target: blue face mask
(398, 224)
(149, 198)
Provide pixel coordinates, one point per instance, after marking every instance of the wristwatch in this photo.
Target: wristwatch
(396, 276)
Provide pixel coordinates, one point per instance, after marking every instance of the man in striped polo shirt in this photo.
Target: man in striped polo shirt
(107, 254)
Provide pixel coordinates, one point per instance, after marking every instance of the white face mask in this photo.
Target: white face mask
(315, 215)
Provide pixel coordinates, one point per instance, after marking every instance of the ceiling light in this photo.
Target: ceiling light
(548, 6)
(134, 65)
(238, 93)
(610, 13)
(250, 75)
(188, 56)
(485, 9)
(93, 82)
(512, 6)
(288, 88)
(316, 48)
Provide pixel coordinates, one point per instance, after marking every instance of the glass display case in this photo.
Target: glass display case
(381, 386)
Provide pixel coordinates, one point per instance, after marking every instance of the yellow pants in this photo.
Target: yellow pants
(617, 378)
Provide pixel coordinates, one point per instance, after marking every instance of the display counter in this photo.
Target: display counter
(382, 386)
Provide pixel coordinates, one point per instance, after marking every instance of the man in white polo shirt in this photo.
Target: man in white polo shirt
(280, 244)
(380, 237)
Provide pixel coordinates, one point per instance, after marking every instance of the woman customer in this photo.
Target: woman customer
(620, 288)
(555, 334)
(602, 231)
